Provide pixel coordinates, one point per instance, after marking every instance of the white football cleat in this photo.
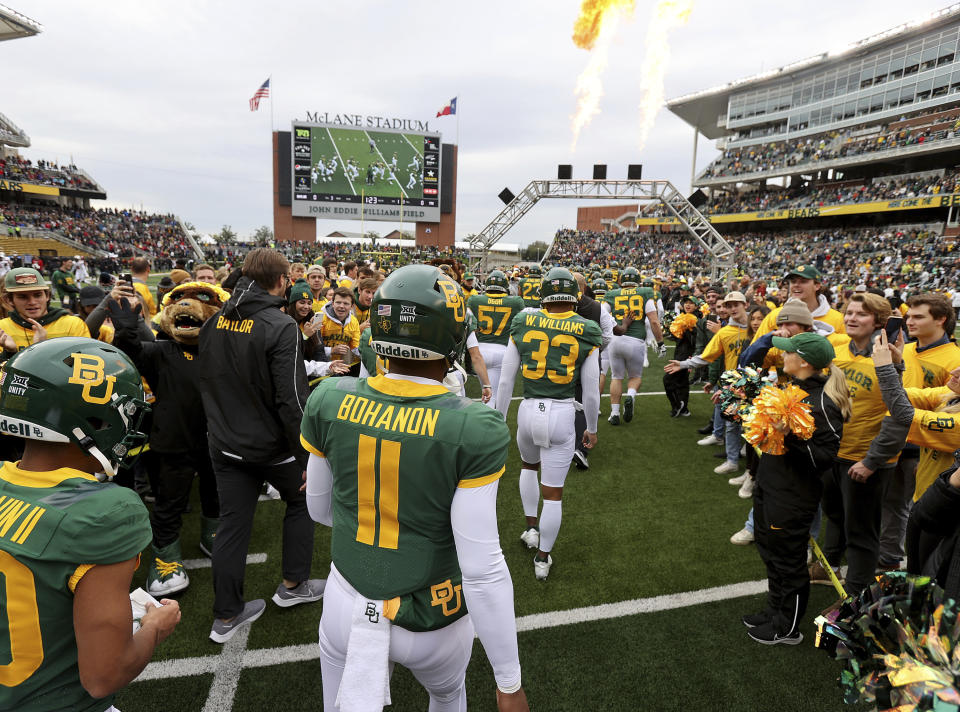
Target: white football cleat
(541, 569)
(531, 537)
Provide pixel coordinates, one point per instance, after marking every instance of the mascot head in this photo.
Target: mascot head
(187, 306)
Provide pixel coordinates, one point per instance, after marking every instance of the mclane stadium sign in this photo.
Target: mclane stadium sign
(822, 211)
(370, 122)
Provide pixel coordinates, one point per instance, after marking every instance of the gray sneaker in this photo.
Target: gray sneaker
(222, 631)
(306, 592)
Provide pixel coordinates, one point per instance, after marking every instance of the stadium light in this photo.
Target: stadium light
(564, 171)
(506, 196)
(599, 171)
(634, 171)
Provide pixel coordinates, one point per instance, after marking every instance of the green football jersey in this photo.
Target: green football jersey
(632, 299)
(552, 350)
(494, 313)
(529, 289)
(52, 524)
(399, 450)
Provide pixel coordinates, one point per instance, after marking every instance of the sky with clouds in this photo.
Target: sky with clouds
(151, 97)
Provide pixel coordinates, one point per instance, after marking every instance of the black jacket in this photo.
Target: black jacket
(937, 513)
(805, 460)
(173, 372)
(252, 377)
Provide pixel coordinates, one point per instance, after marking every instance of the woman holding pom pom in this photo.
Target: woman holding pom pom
(789, 486)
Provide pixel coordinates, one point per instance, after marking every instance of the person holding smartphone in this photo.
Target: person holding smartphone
(300, 307)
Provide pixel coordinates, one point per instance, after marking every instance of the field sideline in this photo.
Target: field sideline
(641, 611)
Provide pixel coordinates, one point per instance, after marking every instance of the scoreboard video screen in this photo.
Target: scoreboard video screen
(351, 173)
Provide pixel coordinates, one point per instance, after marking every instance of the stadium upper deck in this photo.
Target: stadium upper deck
(838, 110)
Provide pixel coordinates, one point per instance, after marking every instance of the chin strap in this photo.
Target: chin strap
(88, 445)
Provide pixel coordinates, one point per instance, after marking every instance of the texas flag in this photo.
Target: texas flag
(450, 109)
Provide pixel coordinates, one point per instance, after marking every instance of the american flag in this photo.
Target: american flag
(262, 93)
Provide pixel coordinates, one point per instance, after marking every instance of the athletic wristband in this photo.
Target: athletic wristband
(509, 690)
(485, 385)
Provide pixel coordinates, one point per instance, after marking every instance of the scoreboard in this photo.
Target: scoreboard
(351, 173)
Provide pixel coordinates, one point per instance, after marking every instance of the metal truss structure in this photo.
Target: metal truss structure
(720, 251)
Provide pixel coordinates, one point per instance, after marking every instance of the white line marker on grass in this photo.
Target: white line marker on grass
(225, 679)
(205, 563)
(264, 657)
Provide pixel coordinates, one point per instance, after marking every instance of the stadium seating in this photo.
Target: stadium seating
(24, 170)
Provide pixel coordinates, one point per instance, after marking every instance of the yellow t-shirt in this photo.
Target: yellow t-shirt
(361, 314)
(832, 317)
(937, 433)
(332, 332)
(319, 304)
(728, 342)
(106, 333)
(346, 282)
(144, 292)
(66, 325)
(868, 408)
(931, 367)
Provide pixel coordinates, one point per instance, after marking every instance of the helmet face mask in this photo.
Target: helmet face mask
(75, 390)
(497, 283)
(535, 270)
(419, 313)
(630, 277)
(559, 286)
(599, 286)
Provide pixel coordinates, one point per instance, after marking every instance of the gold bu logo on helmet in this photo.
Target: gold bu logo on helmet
(88, 372)
(454, 299)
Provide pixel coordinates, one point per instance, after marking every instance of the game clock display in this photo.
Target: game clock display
(351, 173)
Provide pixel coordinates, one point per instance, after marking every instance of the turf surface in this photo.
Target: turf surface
(649, 518)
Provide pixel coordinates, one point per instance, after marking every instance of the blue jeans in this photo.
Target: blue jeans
(732, 441)
(718, 423)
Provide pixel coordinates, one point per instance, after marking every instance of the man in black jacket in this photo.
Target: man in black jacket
(254, 387)
(588, 308)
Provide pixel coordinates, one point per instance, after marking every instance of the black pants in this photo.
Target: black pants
(239, 484)
(781, 527)
(174, 480)
(677, 386)
(853, 511)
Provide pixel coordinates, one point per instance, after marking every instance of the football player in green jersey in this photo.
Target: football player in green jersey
(69, 543)
(529, 288)
(633, 307)
(494, 310)
(407, 474)
(552, 348)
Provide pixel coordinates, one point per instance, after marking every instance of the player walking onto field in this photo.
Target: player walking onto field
(529, 287)
(495, 310)
(629, 304)
(407, 474)
(553, 348)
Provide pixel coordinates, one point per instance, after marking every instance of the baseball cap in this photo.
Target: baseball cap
(811, 347)
(316, 268)
(805, 271)
(467, 275)
(735, 297)
(179, 275)
(860, 288)
(795, 311)
(91, 296)
(24, 279)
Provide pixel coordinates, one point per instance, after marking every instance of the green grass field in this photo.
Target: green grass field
(648, 522)
(347, 144)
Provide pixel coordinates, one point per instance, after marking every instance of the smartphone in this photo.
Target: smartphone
(126, 277)
(893, 327)
(713, 318)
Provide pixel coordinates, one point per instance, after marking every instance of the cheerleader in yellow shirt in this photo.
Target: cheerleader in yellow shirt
(26, 295)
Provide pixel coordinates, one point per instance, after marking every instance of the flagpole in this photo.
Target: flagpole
(273, 90)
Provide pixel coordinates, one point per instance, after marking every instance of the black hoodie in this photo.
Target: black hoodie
(252, 378)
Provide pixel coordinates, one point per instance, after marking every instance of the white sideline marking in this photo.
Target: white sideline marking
(607, 395)
(227, 675)
(205, 563)
(264, 657)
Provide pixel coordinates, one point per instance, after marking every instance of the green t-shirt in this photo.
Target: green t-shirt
(529, 291)
(63, 282)
(494, 314)
(627, 299)
(399, 450)
(552, 350)
(51, 524)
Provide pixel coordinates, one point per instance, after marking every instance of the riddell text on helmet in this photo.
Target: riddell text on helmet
(399, 351)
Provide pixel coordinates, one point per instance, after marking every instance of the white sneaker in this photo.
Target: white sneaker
(746, 489)
(742, 537)
(739, 479)
(709, 440)
(531, 537)
(726, 468)
(541, 569)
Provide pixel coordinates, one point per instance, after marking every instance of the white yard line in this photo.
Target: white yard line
(607, 395)
(205, 563)
(342, 164)
(226, 667)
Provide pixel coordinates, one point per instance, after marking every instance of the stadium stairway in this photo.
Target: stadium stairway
(11, 245)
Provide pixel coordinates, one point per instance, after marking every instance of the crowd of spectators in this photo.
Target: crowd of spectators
(125, 233)
(857, 140)
(45, 173)
(917, 258)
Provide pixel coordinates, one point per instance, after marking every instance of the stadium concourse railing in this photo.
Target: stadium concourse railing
(916, 149)
(198, 253)
(11, 134)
